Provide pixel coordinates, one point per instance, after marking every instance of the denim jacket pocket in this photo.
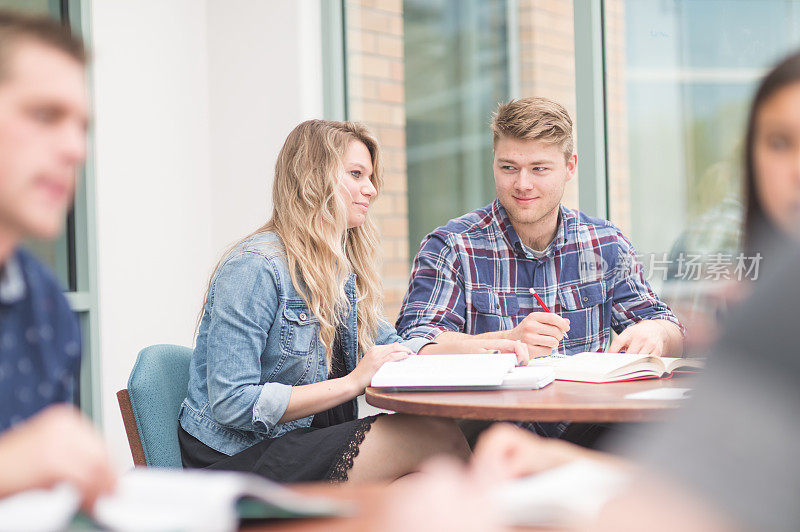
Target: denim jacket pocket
(299, 343)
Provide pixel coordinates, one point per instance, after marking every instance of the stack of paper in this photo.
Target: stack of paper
(483, 371)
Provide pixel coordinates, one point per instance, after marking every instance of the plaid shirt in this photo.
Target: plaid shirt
(473, 276)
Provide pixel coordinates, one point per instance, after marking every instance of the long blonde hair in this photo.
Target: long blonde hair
(310, 218)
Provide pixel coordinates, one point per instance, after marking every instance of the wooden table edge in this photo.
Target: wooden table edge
(636, 411)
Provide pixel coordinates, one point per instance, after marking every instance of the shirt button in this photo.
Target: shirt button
(585, 299)
(303, 316)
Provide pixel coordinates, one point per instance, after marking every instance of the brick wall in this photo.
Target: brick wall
(547, 68)
(547, 60)
(376, 97)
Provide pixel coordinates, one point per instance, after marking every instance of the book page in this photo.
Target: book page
(153, 499)
(445, 370)
(597, 363)
(24, 511)
(528, 378)
(673, 363)
(602, 367)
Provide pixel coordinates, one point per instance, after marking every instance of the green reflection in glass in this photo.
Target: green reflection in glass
(456, 72)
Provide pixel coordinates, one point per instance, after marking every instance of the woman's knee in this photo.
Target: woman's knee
(439, 435)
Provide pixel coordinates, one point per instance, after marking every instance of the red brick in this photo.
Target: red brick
(371, 19)
(389, 46)
(391, 92)
(397, 72)
(372, 66)
(391, 137)
(382, 113)
(397, 270)
(394, 6)
(395, 226)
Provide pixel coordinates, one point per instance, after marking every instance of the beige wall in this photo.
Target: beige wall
(547, 61)
(188, 122)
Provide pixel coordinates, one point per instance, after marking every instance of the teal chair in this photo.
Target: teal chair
(156, 388)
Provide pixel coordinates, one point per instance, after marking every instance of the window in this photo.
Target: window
(662, 88)
(457, 69)
(426, 75)
(679, 78)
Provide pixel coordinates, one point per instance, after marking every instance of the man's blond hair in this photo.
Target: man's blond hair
(534, 118)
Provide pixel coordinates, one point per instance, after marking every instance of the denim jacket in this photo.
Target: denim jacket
(256, 340)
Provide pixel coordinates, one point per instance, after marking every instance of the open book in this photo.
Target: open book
(468, 372)
(151, 499)
(614, 367)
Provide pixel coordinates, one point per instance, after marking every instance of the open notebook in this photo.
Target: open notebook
(468, 372)
(614, 367)
(154, 499)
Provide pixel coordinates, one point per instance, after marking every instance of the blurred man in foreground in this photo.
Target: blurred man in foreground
(43, 119)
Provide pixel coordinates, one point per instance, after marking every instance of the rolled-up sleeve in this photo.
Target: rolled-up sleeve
(435, 301)
(244, 306)
(271, 404)
(634, 299)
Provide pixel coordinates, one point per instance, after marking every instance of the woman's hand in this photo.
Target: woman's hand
(479, 345)
(372, 360)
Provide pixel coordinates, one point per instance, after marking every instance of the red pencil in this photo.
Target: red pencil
(539, 299)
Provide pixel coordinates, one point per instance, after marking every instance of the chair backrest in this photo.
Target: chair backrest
(157, 386)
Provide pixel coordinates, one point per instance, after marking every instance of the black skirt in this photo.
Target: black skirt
(323, 451)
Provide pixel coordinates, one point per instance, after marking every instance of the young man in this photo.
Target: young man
(736, 439)
(43, 117)
(474, 275)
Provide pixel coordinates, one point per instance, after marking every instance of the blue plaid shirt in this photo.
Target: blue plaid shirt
(473, 276)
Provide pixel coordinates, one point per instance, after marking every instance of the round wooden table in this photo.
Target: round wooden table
(559, 401)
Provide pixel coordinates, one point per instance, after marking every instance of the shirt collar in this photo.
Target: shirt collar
(12, 282)
(504, 224)
(563, 232)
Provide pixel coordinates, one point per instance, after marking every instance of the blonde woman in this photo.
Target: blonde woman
(292, 332)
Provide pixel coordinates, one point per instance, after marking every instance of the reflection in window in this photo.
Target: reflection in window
(456, 63)
(680, 75)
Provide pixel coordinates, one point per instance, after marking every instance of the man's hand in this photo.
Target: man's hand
(56, 445)
(649, 337)
(541, 331)
(479, 345)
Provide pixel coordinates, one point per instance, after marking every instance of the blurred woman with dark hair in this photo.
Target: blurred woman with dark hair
(772, 161)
